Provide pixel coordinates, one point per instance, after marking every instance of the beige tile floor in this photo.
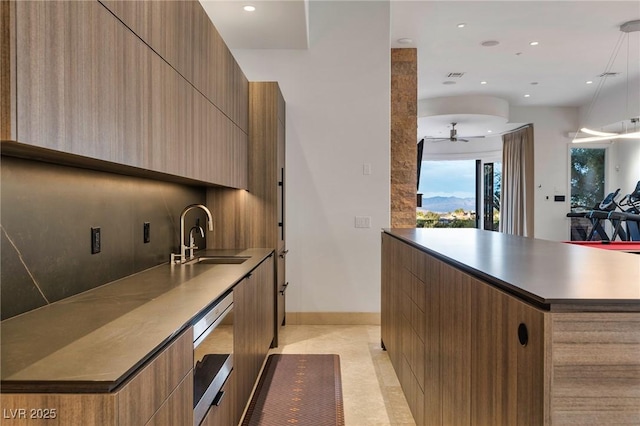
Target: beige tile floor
(370, 387)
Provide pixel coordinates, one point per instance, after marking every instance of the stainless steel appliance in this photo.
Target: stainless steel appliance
(212, 356)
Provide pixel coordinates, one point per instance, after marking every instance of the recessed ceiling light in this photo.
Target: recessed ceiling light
(490, 43)
(489, 131)
(534, 43)
(462, 25)
(448, 82)
(249, 8)
(527, 96)
(534, 83)
(483, 82)
(589, 82)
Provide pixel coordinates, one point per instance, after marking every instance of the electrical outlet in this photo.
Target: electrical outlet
(146, 232)
(95, 240)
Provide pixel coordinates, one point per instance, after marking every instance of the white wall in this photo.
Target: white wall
(337, 95)
(625, 166)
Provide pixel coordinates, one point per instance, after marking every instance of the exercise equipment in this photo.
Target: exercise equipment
(625, 223)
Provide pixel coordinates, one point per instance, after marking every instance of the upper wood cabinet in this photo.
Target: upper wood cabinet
(125, 90)
(181, 32)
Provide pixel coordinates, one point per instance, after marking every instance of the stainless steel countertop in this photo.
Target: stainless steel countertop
(550, 274)
(96, 339)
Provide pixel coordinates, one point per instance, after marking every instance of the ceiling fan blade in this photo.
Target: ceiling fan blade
(462, 140)
(438, 139)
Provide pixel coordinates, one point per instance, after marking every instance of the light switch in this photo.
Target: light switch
(363, 221)
(366, 169)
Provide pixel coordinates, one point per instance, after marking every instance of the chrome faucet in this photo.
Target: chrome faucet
(186, 251)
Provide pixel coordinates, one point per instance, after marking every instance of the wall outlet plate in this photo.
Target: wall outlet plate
(146, 232)
(95, 240)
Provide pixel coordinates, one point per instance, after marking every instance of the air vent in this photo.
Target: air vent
(609, 74)
(455, 74)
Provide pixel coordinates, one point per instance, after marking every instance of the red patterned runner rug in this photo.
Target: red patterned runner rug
(298, 390)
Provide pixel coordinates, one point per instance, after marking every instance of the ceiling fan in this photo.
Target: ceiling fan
(453, 136)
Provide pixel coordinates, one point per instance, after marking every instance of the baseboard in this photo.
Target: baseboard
(333, 318)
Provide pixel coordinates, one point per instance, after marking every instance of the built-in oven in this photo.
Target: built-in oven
(212, 356)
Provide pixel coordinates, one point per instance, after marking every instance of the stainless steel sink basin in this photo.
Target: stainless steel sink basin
(219, 260)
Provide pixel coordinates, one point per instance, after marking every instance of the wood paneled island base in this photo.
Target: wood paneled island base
(476, 338)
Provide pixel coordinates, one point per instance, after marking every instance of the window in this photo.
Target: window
(492, 185)
(449, 194)
(587, 177)
(587, 186)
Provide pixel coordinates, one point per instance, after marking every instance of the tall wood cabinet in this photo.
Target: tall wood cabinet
(454, 342)
(265, 222)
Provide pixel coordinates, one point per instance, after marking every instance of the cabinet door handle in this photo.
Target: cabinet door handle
(523, 334)
(283, 254)
(284, 288)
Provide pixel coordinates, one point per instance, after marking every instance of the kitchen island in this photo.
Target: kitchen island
(123, 353)
(487, 328)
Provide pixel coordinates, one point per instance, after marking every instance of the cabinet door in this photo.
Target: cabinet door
(244, 307)
(432, 359)
(178, 408)
(253, 328)
(281, 288)
(455, 346)
(390, 287)
(508, 370)
(65, 77)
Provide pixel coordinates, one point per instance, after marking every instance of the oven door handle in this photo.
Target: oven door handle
(216, 314)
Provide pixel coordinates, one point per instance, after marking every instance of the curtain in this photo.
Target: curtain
(516, 204)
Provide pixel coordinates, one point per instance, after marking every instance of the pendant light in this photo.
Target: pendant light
(596, 136)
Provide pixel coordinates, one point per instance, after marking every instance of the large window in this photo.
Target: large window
(449, 194)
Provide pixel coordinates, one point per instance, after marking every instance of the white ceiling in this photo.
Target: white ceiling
(275, 24)
(576, 42)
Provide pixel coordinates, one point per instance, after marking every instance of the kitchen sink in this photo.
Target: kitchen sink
(219, 260)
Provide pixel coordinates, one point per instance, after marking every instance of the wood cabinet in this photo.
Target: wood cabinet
(78, 80)
(509, 370)
(161, 393)
(454, 343)
(253, 329)
(266, 219)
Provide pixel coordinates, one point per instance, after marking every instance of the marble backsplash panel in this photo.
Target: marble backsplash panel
(47, 212)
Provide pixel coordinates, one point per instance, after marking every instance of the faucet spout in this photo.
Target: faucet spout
(183, 247)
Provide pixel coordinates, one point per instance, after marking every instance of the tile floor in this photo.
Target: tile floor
(371, 391)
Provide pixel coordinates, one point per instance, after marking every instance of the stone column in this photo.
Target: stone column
(404, 129)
